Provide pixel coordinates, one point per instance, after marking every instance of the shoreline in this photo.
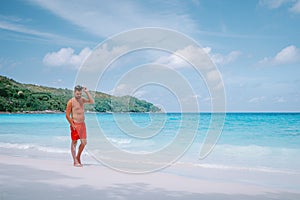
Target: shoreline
(58, 112)
(225, 113)
(34, 112)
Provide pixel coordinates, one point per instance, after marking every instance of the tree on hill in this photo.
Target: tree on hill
(17, 97)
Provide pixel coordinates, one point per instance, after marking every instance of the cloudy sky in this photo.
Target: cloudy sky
(255, 45)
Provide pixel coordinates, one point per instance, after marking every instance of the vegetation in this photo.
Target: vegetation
(17, 97)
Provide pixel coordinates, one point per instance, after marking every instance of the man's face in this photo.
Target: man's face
(77, 94)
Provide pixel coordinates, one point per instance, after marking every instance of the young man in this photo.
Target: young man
(75, 108)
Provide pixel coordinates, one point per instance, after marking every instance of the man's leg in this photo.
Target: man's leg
(80, 149)
(73, 152)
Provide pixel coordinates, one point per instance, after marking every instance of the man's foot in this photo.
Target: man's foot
(78, 159)
(77, 164)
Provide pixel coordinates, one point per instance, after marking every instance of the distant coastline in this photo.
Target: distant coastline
(60, 112)
(226, 113)
(34, 112)
(16, 97)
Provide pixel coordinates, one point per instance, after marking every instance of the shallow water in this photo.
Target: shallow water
(261, 142)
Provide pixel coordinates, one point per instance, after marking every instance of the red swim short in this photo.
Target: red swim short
(79, 132)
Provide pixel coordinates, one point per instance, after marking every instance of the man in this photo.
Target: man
(75, 108)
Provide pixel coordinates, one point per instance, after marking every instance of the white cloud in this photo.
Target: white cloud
(22, 29)
(225, 59)
(280, 99)
(66, 57)
(182, 57)
(101, 58)
(188, 99)
(118, 91)
(257, 99)
(272, 4)
(140, 94)
(201, 56)
(12, 24)
(213, 75)
(172, 61)
(104, 18)
(7, 63)
(294, 5)
(122, 90)
(14, 18)
(287, 55)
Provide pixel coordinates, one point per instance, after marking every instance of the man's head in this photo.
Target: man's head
(78, 91)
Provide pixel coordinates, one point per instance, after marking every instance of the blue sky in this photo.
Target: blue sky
(254, 44)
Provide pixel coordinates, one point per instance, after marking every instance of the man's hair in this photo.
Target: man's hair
(78, 88)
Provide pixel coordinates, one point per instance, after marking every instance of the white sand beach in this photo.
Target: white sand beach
(32, 178)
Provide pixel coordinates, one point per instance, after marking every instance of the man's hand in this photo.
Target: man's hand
(85, 89)
(73, 126)
(90, 99)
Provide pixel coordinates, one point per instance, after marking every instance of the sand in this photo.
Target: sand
(35, 178)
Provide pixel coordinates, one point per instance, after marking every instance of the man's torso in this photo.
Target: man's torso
(77, 110)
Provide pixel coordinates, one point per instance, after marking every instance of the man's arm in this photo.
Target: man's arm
(90, 99)
(68, 113)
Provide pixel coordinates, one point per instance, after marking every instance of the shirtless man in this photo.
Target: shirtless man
(75, 108)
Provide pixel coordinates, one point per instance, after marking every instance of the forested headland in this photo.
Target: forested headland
(18, 97)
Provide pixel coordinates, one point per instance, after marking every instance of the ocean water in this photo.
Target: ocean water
(259, 142)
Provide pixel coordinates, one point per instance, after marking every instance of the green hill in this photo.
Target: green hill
(18, 97)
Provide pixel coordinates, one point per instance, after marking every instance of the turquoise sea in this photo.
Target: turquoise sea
(265, 143)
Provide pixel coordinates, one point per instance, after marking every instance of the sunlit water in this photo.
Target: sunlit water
(261, 142)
